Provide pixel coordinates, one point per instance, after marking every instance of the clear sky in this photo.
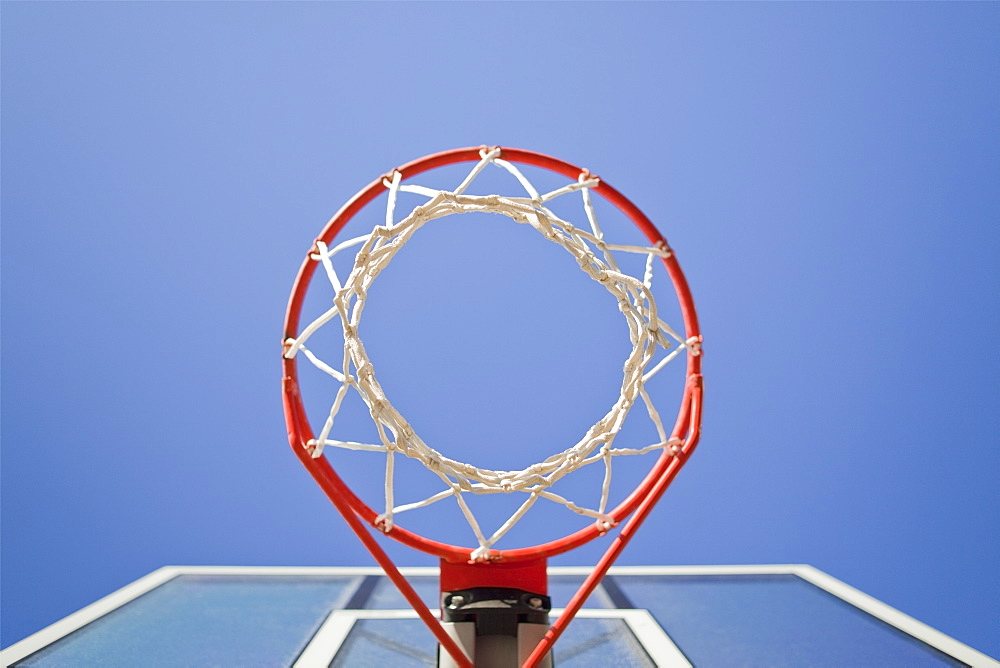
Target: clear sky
(828, 173)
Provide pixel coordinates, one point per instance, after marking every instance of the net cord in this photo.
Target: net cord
(647, 334)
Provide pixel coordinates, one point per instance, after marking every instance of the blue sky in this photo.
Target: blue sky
(828, 174)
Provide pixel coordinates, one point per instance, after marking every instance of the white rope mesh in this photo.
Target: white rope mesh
(647, 333)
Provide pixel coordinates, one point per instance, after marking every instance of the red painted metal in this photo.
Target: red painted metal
(527, 575)
(526, 562)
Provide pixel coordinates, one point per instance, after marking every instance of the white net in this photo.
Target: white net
(653, 345)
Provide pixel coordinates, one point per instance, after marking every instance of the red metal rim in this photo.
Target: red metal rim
(666, 467)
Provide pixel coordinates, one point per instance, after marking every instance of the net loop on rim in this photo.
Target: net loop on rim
(595, 256)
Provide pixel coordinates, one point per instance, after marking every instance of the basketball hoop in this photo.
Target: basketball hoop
(484, 585)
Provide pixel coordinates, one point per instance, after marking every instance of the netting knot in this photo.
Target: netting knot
(378, 409)
(383, 523)
(388, 178)
(366, 371)
(605, 523)
(694, 345)
(418, 215)
(481, 555)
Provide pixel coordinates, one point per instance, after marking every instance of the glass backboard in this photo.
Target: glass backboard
(789, 615)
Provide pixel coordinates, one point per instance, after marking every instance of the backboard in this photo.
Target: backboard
(784, 615)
